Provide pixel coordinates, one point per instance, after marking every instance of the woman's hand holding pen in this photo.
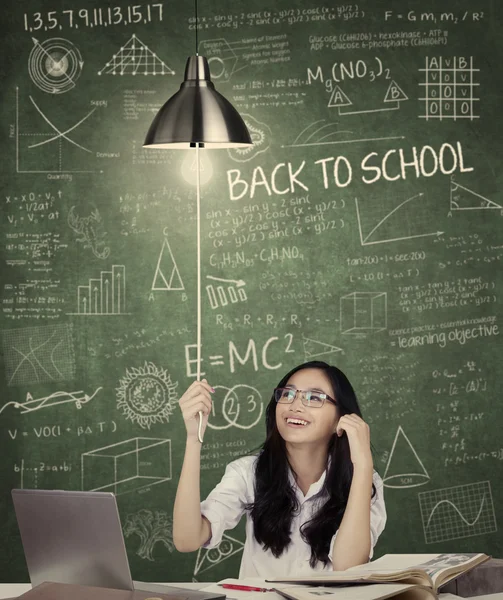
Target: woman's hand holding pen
(358, 433)
(197, 398)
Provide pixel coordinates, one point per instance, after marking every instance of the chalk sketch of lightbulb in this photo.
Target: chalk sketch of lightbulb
(189, 166)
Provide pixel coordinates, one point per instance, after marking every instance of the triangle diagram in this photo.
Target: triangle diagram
(338, 98)
(395, 93)
(207, 558)
(404, 468)
(166, 277)
(135, 58)
(313, 348)
(462, 198)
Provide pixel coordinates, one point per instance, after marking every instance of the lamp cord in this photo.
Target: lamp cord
(197, 29)
(198, 332)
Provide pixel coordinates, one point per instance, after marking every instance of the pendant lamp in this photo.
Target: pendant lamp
(197, 116)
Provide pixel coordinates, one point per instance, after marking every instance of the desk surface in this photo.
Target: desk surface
(12, 590)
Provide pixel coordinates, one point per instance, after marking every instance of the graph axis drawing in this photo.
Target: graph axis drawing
(364, 239)
(55, 65)
(475, 201)
(57, 135)
(135, 58)
(457, 512)
(418, 475)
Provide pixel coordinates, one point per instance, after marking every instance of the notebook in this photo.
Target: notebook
(76, 538)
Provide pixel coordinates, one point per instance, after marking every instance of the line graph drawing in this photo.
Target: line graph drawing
(166, 264)
(206, 559)
(39, 354)
(31, 149)
(320, 132)
(127, 466)
(313, 348)
(393, 96)
(55, 65)
(32, 404)
(135, 58)
(457, 512)
(220, 295)
(463, 198)
(404, 468)
(103, 296)
(365, 239)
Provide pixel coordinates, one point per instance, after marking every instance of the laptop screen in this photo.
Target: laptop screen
(72, 537)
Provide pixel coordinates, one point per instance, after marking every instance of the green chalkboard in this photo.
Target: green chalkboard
(363, 228)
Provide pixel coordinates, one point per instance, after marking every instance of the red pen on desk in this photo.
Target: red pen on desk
(245, 588)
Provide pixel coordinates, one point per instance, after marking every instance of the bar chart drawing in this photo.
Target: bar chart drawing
(457, 512)
(229, 291)
(105, 295)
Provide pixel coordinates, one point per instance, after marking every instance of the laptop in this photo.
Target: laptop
(76, 537)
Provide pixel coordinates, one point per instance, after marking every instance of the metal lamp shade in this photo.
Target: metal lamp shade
(197, 115)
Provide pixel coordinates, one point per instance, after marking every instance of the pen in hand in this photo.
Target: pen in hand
(245, 588)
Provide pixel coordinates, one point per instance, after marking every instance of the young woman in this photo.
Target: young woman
(311, 496)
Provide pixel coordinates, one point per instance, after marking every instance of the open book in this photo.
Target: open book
(372, 591)
(428, 570)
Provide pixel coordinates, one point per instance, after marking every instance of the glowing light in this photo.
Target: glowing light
(189, 166)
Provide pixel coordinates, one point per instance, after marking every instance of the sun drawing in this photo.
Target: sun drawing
(146, 395)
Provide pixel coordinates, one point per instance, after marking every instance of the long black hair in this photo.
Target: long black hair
(275, 500)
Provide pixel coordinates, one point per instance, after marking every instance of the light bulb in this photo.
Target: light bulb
(189, 166)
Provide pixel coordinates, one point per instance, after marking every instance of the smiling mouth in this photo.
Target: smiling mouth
(300, 422)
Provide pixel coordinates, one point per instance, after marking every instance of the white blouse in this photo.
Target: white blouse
(225, 506)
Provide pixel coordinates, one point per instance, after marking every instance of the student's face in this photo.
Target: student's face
(298, 423)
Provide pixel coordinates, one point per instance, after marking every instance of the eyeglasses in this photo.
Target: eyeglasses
(309, 398)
